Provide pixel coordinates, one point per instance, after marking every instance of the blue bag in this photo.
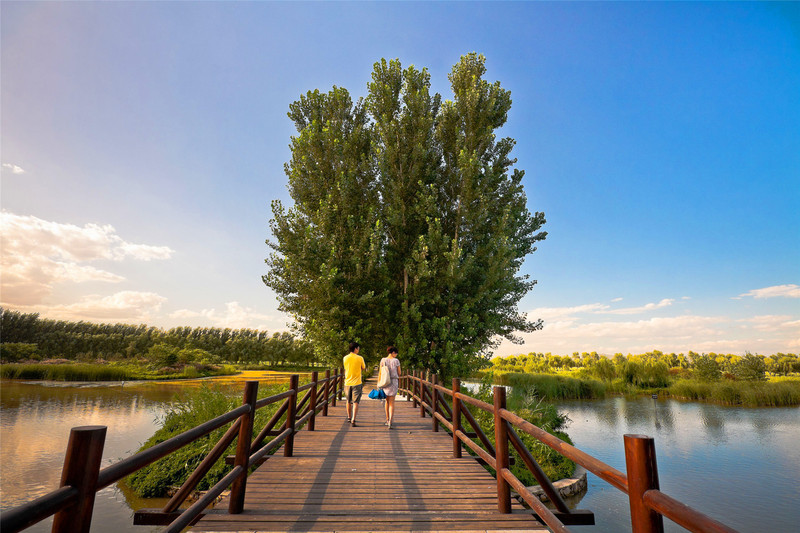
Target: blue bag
(377, 394)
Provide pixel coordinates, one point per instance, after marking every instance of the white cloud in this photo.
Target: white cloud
(583, 328)
(37, 254)
(776, 291)
(234, 316)
(14, 168)
(666, 302)
(126, 306)
(769, 322)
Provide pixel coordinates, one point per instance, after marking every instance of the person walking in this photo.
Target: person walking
(392, 365)
(353, 365)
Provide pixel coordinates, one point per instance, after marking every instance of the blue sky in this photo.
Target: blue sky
(142, 143)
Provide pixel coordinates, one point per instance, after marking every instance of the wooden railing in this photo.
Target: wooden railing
(81, 477)
(648, 504)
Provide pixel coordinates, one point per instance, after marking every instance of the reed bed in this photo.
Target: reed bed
(746, 393)
(66, 372)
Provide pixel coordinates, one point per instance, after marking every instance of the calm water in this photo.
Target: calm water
(740, 466)
(35, 421)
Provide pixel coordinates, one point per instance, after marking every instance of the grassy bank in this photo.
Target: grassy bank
(107, 372)
(777, 392)
(66, 372)
(781, 393)
(195, 407)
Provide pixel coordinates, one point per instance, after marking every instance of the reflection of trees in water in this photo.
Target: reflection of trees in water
(714, 422)
(663, 416)
(608, 413)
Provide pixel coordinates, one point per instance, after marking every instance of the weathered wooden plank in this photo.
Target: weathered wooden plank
(370, 478)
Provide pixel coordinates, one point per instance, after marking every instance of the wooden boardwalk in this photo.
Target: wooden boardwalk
(370, 478)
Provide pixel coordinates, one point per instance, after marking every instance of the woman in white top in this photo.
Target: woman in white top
(392, 364)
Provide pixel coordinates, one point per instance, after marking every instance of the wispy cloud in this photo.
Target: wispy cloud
(234, 316)
(38, 254)
(666, 302)
(776, 291)
(594, 327)
(124, 306)
(14, 168)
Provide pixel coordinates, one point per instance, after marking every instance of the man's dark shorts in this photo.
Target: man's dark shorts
(353, 393)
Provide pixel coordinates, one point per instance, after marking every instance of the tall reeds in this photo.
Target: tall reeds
(745, 393)
(66, 372)
(552, 387)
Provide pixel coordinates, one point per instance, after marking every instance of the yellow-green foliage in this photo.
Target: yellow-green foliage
(722, 378)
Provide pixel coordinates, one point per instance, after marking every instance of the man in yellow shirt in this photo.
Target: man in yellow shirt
(353, 365)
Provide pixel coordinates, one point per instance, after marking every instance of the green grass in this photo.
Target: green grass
(777, 393)
(106, 372)
(195, 407)
(66, 372)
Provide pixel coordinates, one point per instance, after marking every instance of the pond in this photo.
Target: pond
(740, 466)
(35, 421)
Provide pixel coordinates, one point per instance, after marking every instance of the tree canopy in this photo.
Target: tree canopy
(409, 224)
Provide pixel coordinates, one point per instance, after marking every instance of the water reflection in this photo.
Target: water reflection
(713, 422)
(35, 422)
(720, 460)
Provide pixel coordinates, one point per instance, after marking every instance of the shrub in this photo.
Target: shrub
(750, 368)
(706, 368)
(646, 373)
(11, 352)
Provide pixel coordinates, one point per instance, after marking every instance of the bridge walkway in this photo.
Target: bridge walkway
(371, 478)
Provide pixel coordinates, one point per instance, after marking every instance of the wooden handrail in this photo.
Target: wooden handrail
(648, 503)
(124, 468)
(34, 511)
(605, 472)
(73, 503)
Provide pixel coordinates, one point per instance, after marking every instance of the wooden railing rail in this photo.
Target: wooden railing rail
(647, 503)
(72, 504)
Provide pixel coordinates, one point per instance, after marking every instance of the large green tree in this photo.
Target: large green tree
(409, 224)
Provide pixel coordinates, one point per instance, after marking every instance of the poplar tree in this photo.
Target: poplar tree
(409, 224)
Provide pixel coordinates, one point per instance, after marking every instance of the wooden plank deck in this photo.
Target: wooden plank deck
(370, 478)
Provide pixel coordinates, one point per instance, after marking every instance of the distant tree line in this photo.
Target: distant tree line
(654, 369)
(27, 336)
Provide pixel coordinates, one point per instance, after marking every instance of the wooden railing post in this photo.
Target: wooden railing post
(313, 401)
(341, 384)
(640, 463)
(81, 468)
(501, 451)
(291, 415)
(236, 503)
(456, 418)
(327, 392)
(414, 389)
(423, 386)
(434, 402)
(335, 387)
